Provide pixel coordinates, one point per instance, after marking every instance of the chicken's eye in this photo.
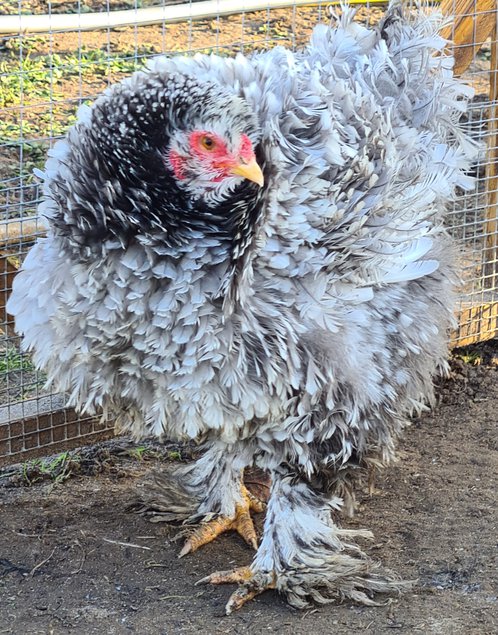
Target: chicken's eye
(207, 142)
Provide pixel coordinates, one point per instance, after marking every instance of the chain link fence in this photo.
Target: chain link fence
(72, 49)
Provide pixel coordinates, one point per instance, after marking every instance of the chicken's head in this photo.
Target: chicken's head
(162, 155)
(206, 160)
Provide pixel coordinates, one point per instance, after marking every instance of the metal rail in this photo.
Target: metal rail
(49, 23)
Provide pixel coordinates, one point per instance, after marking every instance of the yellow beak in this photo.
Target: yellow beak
(250, 171)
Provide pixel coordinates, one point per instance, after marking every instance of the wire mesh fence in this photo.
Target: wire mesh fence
(49, 68)
(473, 219)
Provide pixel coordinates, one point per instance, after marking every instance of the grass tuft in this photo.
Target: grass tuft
(13, 360)
(56, 469)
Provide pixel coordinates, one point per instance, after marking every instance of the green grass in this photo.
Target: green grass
(37, 78)
(12, 360)
(141, 453)
(56, 469)
(470, 356)
(99, 62)
(33, 153)
(83, 461)
(40, 93)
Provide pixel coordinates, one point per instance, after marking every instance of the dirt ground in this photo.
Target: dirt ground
(74, 560)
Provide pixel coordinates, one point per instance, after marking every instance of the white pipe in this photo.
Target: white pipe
(14, 24)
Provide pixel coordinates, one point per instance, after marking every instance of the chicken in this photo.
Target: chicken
(250, 253)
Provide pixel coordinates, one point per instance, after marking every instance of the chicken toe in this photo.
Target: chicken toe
(241, 522)
(250, 584)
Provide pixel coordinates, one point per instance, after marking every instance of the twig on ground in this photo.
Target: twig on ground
(126, 544)
(82, 562)
(20, 533)
(179, 597)
(40, 564)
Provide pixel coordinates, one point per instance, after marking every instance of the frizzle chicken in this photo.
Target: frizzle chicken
(250, 253)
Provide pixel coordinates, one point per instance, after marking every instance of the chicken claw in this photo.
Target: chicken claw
(238, 575)
(241, 522)
(251, 585)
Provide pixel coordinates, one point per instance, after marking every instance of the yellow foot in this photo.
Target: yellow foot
(241, 522)
(251, 585)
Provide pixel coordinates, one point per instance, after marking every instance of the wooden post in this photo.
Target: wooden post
(473, 22)
(19, 231)
(490, 268)
(15, 234)
(7, 273)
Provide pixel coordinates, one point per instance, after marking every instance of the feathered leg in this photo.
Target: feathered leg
(304, 555)
(210, 492)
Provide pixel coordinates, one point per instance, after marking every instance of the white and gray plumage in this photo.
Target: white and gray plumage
(293, 324)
